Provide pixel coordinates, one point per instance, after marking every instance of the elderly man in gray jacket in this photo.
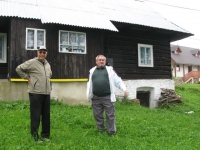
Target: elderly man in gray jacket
(38, 72)
(101, 90)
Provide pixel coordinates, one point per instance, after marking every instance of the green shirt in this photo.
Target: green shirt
(101, 85)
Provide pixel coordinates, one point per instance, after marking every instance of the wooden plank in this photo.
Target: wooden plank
(124, 51)
(122, 47)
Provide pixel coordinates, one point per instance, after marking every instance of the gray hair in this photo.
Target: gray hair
(100, 55)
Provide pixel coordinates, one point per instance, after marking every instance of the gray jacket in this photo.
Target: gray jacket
(39, 74)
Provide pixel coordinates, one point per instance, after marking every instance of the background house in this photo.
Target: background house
(134, 38)
(186, 63)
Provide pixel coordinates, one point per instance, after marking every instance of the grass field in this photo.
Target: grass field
(138, 128)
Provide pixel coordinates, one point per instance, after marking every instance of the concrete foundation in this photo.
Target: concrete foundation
(74, 93)
(68, 92)
(153, 86)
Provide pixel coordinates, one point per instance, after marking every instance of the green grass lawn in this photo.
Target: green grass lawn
(138, 128)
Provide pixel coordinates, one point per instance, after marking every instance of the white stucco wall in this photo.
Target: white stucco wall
(194, 68)
(70, 92)
(154, 86)
(74, 93)
(179, 73)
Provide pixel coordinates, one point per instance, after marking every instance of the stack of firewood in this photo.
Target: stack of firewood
(169, 96)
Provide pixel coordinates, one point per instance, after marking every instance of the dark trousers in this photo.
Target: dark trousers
(99, 105)
(40, 106)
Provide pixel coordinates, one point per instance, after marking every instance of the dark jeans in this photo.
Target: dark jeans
(40, 106)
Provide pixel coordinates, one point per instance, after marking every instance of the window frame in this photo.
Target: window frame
(78, 51)
(4, 48)
(35, 46)
(139, 55)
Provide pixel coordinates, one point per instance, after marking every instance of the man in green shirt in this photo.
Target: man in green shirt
(101, 91)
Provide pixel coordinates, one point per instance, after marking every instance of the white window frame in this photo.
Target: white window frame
(72, 48)
(4, 48)
(151, 57)
(35, 44)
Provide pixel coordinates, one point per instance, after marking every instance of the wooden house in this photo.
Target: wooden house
(134, 38)
(186, 63)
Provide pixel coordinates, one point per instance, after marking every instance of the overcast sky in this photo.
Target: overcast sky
(184, 13)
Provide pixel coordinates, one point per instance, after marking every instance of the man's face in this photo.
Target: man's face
(41, 55)
(101, 61)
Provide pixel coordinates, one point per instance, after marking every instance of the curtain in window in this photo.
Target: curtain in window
(40, 38)
(1, 48)
(142, 55)
(64, 38)
(145, 54)
(81, 39)
(30, 39)
(72, 42)
(72, 39)
(148, 56)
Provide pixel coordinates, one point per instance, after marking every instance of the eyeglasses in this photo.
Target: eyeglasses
(42, 52)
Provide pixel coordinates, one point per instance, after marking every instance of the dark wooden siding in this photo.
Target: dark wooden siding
(123, 48)
(63, 65)
(4, 28)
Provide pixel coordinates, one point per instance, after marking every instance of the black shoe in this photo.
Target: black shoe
(35, 136)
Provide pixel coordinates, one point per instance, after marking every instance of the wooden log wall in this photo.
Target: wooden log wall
(4, 28)
(63, 65)
(123, 48)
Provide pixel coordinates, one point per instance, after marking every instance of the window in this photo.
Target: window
(177, 67)
(35, 38)
(72, 42)
(145, 55)
(3, 48)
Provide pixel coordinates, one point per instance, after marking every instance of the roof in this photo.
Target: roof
(186, 56)
(87, 13)
(80, 13)
(135, 12)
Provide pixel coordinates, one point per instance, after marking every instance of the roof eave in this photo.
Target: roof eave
(180, 36)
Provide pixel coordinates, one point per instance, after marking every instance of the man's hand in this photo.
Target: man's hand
(125, 94)
(29, 80)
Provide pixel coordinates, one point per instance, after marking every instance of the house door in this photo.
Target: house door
(189, 69)
(144, 97)
(3, 56)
